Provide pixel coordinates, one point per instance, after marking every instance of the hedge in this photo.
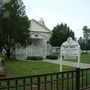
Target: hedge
(34, 58)
(52, 57)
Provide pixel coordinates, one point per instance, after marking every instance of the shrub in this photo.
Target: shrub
(34, 58)
(52, 57)
(2, 60)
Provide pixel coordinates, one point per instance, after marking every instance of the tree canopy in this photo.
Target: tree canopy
(85, 41)
(86, 33)
(81, 42)
(60, 33)
(86, 37)
(14, 26)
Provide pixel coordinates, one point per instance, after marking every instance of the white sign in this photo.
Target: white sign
(70, 50)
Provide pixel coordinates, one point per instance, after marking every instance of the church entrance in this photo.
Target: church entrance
(37, 47)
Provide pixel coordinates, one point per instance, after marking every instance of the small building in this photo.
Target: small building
(40, 46)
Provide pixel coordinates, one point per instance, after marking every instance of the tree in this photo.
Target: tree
(86, 36)
(86, 33)
(14, 27)
(88, 44)
(82, 43)
(60, 33)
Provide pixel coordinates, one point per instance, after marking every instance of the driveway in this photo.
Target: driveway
(68, 63)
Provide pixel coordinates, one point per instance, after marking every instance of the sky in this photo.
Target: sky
(75, 13)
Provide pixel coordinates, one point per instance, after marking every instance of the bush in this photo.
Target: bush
(2, 62)
(3, 57)
(34, 58)
(52, 57)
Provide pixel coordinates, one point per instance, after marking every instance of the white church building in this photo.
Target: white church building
(40, 35)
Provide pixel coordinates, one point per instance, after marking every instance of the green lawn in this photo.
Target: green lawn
(29, 67)
(24, 68)
(83, 59)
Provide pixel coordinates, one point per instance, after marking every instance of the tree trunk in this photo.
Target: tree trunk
(13, 50)
(8, 53)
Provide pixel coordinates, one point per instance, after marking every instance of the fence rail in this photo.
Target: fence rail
(78, 79)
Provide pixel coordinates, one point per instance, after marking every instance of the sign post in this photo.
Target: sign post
(61, 63)
(70, 49)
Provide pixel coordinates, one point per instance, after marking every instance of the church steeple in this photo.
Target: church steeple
(41, 21)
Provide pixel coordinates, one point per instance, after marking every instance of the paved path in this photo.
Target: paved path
(73, 64)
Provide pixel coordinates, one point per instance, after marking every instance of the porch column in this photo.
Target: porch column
(45, 42)
(26, 52)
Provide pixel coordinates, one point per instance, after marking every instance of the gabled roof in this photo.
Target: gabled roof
(43, 26)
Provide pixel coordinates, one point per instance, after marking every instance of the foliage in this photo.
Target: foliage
(2, 59)
(60, 33)
(81, 42)
(86, 36)
(2, 55)
(88, 45)
(86, 33)
(14, 27)
(34, 58)
(53, 57)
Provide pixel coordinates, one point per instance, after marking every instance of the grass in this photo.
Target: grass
(24, 68)
(83, 59)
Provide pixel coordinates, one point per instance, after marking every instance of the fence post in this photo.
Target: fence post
(77, 78)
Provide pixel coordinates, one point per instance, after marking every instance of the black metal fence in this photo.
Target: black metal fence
(78, 79)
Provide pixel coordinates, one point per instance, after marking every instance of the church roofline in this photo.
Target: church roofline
(43, 26)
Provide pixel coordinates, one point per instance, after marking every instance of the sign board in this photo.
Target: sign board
(70, 49)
